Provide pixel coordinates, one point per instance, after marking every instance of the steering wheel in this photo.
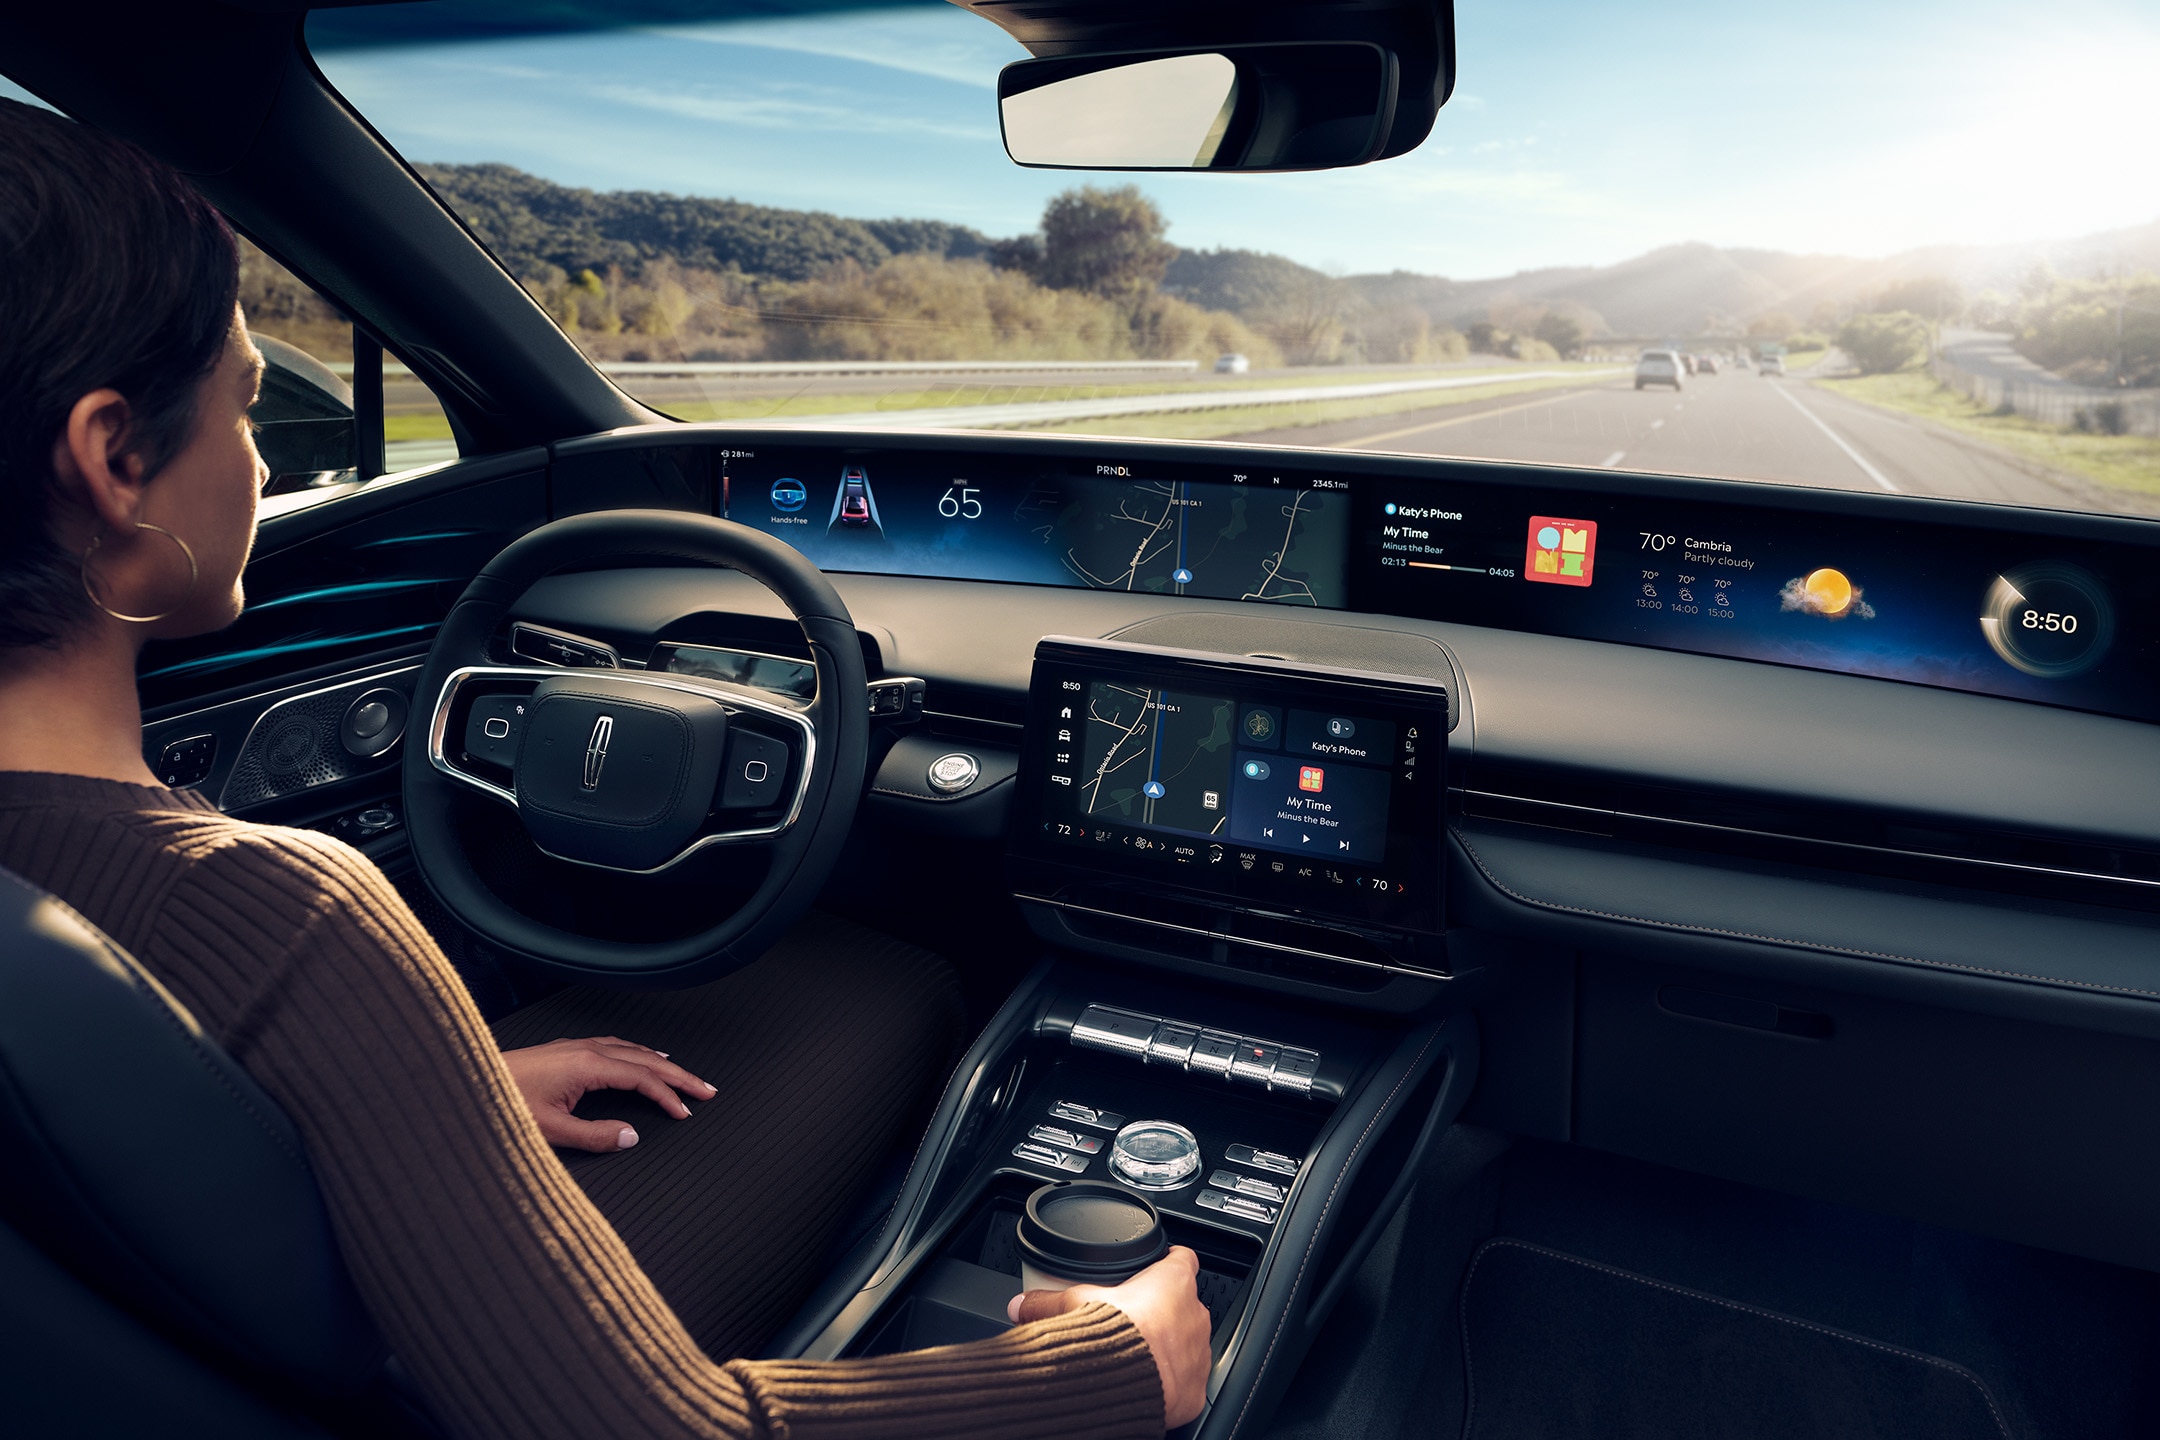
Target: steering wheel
(633, 772)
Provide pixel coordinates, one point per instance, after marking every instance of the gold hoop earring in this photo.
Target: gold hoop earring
(90, 589)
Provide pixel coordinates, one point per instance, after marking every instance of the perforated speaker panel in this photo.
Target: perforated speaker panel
(295, 747)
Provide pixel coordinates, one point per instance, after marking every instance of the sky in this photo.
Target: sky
(1581, 132)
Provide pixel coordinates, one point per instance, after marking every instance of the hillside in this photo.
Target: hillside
(541, 229)
(533, 223)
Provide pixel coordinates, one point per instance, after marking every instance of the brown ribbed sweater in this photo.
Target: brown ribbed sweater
(490, 1273)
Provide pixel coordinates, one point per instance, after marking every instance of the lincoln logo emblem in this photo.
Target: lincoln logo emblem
(603, 730)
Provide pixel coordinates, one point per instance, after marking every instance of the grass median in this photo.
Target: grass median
(1253, 419)
(2121, 462)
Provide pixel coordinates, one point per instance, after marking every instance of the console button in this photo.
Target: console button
(1251, 1185)
(1255, 1061)
(1171, 1045)
(1155, 1155)
(1063, 1160)
(1213, 1052)
(1087, 1115)
(1237, 1205)
(1070, 1140)
(1261, 1159)
(1295, 1070)
(1102, 1028)
(186, 763)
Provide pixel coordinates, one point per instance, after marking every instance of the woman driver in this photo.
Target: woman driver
(128, 482)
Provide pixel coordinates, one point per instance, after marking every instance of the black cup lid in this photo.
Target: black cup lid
(1085, 1229)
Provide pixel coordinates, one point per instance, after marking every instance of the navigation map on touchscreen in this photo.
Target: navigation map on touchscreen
(1159, 758)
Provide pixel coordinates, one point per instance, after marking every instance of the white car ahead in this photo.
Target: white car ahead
(1659, 367)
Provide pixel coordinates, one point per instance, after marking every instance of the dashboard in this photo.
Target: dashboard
(2060, 609)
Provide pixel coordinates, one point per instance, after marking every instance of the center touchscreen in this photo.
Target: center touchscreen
(1247, 779)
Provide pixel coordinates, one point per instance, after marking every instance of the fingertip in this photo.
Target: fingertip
(626, 1139)
(1012, 1307)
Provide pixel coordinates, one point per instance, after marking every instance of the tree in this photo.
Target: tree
(1935, 296)
(1775, 325)
(1884, 344)
(1106, 242)
(1563, 332)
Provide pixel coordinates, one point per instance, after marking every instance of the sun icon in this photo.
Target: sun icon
(1828, 592)
(1825, 592)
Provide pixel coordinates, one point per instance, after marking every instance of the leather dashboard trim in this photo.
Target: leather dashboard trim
(2033, 947)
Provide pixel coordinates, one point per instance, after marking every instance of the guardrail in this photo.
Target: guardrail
(851, 367)
(2080, 407)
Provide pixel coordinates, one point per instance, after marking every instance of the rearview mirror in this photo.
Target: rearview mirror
(1236, 107)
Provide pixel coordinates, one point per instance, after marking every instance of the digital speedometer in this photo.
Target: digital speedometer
(2048, 619)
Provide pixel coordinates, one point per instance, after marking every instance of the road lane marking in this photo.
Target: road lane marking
(1613, 459)
(1456, 420)
(1838, 440)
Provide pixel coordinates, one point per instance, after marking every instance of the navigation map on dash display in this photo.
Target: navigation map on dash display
(1221, 541)
(1113, 531)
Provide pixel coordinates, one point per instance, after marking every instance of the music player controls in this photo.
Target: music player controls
(1155, 1155)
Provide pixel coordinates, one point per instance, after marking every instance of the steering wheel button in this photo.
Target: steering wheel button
(756, 771)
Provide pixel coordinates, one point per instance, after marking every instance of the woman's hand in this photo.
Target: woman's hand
(555, 1076)
(1163, 1303)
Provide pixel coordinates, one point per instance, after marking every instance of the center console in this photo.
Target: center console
(1196, 838)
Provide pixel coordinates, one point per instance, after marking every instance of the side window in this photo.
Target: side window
(335, 408)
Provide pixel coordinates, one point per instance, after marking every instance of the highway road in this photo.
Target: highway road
(1734, 425)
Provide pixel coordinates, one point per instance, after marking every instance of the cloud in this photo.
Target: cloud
(777, 111)
(919, 44)
(1796, 596)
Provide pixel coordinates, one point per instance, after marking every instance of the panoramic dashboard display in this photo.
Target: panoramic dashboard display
(2015, 613)
(1242, 779)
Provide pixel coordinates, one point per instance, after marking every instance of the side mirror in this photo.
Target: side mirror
(304, 423)
(1314, 106)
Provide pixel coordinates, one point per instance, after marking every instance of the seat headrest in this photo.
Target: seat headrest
(142, 1157)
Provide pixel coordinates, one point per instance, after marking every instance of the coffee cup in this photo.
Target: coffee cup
(1087, 1232)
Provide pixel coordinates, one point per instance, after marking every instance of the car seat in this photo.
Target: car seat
(166, 1264)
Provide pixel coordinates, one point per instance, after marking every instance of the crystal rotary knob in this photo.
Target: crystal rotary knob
(1155, 1155)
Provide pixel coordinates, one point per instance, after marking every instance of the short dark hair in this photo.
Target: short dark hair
(114, 272)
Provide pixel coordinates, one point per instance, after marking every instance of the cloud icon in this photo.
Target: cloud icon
(1827, 593)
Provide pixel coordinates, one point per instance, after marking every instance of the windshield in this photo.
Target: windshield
(1909, 248)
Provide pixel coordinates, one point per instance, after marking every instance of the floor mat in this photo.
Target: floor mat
(1556, 1347)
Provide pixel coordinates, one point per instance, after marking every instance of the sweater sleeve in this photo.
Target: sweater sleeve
(516, 1305)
